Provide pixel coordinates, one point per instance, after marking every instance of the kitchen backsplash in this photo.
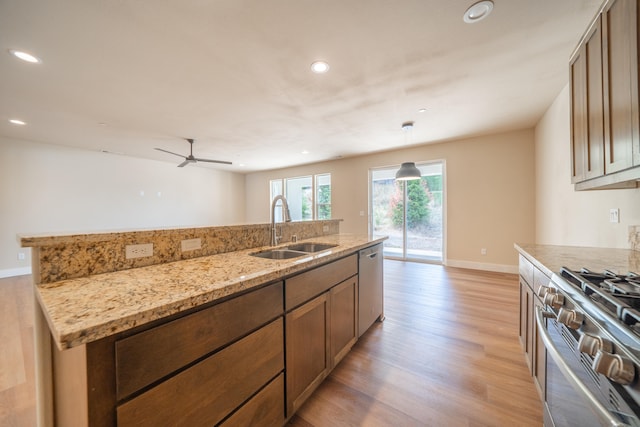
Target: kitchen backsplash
(62, 257)
(634, 237)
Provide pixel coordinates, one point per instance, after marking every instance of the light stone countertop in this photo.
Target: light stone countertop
(550, 259)
(87, 309)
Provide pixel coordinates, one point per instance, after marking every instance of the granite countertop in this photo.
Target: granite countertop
(550, 259)
(87, 309)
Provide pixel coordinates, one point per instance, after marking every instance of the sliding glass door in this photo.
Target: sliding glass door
(409, 212)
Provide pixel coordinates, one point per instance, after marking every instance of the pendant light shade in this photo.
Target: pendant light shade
(408, 171)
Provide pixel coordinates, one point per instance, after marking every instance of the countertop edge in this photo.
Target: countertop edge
(66, 335)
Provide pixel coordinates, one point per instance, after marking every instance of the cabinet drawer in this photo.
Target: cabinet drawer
(307, 285)
(207, 392)
(539, 279)
(526, 270)
(264, 409)
(151, 355)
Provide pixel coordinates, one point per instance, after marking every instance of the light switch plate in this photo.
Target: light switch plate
(614, 215)
(191, 244)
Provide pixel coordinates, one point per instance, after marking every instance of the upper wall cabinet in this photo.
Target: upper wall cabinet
(605, 130)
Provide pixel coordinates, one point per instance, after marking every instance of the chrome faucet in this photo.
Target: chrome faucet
(286, 217)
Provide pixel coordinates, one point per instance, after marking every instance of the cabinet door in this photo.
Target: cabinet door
(526, 322)
(344, 311)
(620, 58)
(524, 314)
(587, 107)
(307, 350)
(578, 84)
(539, 355)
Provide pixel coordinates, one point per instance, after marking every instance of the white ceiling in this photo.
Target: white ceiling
(129, 75)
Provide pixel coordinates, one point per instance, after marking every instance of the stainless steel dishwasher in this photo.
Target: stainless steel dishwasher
(370, 288)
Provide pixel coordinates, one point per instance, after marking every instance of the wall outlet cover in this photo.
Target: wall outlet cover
(139, 251)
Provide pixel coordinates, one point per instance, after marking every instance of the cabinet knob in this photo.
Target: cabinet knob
(615, 367)
(590, 344)
(571, 318)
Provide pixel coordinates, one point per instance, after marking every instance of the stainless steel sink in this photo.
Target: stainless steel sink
(279, 254)
(311, 247)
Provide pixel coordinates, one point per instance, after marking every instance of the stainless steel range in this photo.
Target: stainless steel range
(590, 325)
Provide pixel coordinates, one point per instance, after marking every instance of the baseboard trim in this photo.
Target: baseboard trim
(498, 268)
(12, 272)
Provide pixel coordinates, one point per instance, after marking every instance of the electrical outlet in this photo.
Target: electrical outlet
(614, 215)
(139, 251)
(191, 244)
(483, 251)
(21, 256)
(325, 228)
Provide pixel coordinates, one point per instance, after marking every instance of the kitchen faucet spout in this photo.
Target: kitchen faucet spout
(286, 217)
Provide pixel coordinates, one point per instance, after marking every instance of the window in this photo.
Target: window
(300, 192)
(323, 196)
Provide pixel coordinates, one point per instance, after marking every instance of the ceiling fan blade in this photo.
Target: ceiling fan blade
(185, 163)
(175, 154)
(213, 161)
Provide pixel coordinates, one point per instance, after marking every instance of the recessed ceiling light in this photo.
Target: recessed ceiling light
(320, 67)
(478, 11)
(25, 56)
(17, 122)
(305, 152)
(422, 110)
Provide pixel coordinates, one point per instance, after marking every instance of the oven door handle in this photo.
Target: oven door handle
(575, 382)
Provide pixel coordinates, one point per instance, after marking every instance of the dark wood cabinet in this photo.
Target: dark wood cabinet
(587, 112)
(321, 330)
(531, 278)
(605, 130)
(197, 369)
(247, 360)
(343, 319)
(307, 350)
(620, 66)
(205, 393)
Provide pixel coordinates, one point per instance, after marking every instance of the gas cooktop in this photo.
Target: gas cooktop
(618, 295)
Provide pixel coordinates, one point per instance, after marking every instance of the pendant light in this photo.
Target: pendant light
(408, 170)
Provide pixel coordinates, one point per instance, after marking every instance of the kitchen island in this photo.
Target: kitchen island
(143, 344)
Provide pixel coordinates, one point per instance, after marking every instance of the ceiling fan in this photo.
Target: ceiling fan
(190, 159)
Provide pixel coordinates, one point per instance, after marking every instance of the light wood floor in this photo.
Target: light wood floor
(17, 383)
(446, 355)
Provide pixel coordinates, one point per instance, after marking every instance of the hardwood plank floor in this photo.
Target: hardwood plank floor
(17, 374)
(446, 355)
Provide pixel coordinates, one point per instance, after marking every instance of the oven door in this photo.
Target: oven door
(573, 398)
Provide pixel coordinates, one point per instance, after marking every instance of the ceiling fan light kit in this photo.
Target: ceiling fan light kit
(190, 158)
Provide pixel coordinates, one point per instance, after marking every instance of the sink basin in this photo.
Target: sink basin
(310, 247)
(278, 254)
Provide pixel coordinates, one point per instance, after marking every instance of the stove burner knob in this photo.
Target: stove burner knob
(590, 344)
(544, 290)
(614, 367)
(571, 318)
(552, 298)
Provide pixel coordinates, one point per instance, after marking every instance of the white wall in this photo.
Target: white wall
(565, 216)
(54, 189)
(489, 184)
